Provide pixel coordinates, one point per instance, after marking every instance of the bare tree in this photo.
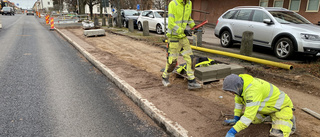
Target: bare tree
(161, 4)
(72, 5)
(91, 3)
(82, 4)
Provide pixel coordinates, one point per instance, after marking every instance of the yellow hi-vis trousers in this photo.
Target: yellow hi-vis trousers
(174, 49)
(281, 120)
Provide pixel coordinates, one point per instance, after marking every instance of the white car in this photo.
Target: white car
(282, 30)
(155, 20)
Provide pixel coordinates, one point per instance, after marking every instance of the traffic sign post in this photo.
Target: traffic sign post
(138, 6)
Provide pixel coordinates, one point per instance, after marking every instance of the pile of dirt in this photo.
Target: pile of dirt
(139, 63)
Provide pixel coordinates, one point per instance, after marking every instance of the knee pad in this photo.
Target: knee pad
(193, 62)
(172, 66)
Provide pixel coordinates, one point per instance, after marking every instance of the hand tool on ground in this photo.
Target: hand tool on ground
(223, 114)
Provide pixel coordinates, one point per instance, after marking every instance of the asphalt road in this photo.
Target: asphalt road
(48, 89)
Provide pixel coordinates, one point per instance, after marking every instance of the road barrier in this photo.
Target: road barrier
(52, 24)
(47, 19)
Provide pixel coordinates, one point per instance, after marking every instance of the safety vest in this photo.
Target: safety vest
(179, 16)
(201, 62)
(258, 96)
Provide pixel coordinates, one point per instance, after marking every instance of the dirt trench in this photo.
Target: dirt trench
(139, 64)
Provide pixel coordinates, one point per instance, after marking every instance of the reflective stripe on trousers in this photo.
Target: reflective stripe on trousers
(174, 49)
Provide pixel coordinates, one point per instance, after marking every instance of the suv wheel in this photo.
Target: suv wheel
(284, 48)
(226, 39)
(140, 26)
(159, 29)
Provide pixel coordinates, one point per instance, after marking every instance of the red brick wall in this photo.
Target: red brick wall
(218, 7)
(313, 17)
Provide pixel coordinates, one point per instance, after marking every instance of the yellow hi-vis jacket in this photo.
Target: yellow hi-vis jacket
(179, 15)
(258, 96)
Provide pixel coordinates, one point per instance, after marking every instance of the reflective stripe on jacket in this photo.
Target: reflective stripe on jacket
(258, 96)
(179, 15)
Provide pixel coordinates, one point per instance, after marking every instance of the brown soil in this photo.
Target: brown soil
(139, 64)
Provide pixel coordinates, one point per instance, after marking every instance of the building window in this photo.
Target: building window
(278, 3)
(313, 5)
(98, 9)
(294, 5)
(264, 3)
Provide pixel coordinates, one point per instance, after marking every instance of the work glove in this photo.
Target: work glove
(231, 122)
(231, 133)
(188, 32)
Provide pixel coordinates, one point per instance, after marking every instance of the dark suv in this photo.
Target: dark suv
(126, 14)
(7, 11)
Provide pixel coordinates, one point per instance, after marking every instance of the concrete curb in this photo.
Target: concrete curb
(159, 117)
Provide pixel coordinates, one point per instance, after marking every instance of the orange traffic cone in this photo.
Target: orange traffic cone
(52, 24)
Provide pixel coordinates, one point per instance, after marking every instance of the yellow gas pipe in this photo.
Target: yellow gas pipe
(257, 60)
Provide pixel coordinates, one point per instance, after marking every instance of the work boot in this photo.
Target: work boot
(267, 119)
(294, 127)
(192, 84)
(165, 81)
(276, 133)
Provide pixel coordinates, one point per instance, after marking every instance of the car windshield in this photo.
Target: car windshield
(159, 14)
(29, 10)
(286, 17)
(131, 13)
(6, 8)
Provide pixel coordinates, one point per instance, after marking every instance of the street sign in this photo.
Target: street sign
(17, 4)
(138, 6)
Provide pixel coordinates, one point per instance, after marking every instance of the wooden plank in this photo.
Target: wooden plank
(317, 115)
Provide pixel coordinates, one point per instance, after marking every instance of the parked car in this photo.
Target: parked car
(155, 20)
(282, 30)
(126, 15)
(7, 11)
(30, 12)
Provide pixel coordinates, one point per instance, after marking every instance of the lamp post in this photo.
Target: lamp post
(78, 6)
(42, 5)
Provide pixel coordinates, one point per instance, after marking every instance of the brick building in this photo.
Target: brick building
(307, 8)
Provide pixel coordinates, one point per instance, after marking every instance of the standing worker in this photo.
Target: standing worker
(179, 18)
(261, 100)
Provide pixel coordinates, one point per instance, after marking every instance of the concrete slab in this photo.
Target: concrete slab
(237, 69)
(94, 32)
(212, 72)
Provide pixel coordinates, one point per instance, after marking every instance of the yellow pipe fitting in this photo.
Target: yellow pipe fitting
(257, 60)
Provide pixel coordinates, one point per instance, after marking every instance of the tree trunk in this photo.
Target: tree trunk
(91, 10)
(119, 21)
(101, 9)
(82, 4)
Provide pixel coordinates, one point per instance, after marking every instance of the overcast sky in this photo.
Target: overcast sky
(24, 3)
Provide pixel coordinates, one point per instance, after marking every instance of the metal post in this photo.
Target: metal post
(42, 5)
(78, 7)
(0, 24)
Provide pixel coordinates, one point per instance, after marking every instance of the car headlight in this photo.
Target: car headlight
(310, 37)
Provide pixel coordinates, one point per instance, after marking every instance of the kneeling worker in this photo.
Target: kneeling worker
(260, 99)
